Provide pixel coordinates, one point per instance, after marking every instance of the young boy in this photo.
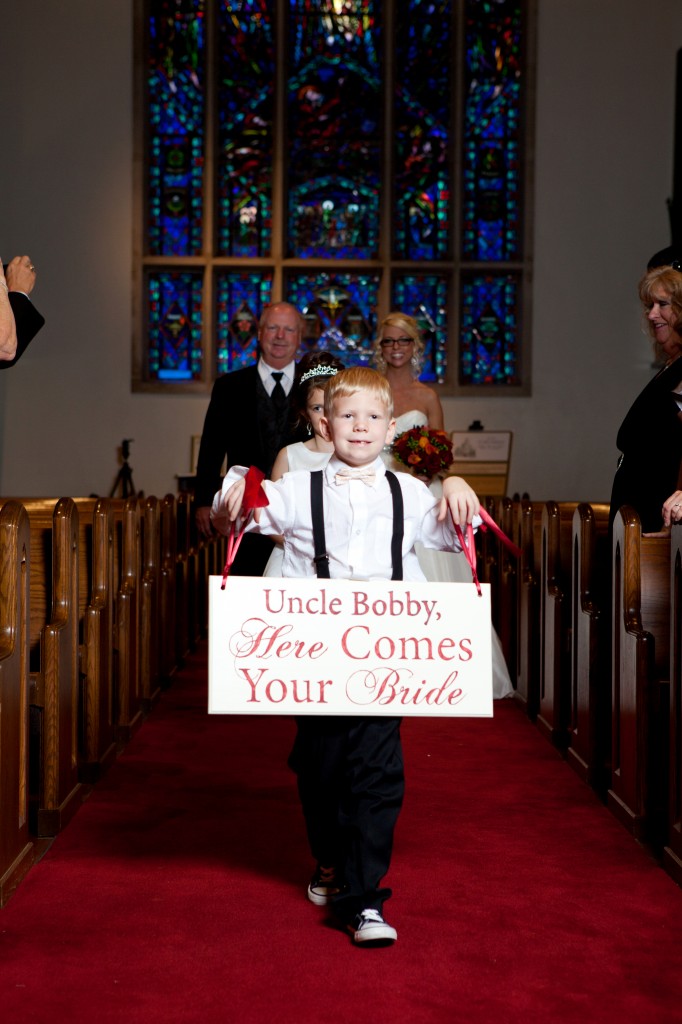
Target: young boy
(363, 524)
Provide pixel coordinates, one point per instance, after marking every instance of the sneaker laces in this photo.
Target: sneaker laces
(325, 876)
(371, 915)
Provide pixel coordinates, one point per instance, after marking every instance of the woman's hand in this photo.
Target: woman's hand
(460, 499)
(672, 509)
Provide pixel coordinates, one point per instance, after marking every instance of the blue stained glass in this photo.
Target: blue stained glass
(175, 100)
(490, 329)
(339, 310)
(492, 130)
(425, 297)
(334, 137)
(423, 102)
(245, 127)
(174, 325)
(241, 297)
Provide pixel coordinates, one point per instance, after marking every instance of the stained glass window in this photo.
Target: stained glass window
(493, 106)
(241, 298)
(425, 297)
(350, 156)
(174, 318)
(176, 102)
(334, 100)
(246, 85)
(423, 114)
(339, 311)
(490, 321)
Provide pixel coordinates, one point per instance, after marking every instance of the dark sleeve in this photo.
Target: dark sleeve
(213, 447)
(28, 321)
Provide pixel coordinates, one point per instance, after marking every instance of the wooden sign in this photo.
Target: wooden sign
(349, 647)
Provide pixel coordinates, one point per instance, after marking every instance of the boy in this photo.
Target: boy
(357, 522)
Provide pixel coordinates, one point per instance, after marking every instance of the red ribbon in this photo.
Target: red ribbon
(466, 540)
(489, 522)
(254, 497)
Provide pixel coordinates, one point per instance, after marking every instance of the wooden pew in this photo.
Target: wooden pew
(184, 579)
(589, 751)
(555, 620)
(640, 677)
(150, 587)
(487, 549)
(130, 708)
(17, 848)
(507, 587)
(55, 684)
(527, 534)
(97, 600)
(167, 595)
(672, 853)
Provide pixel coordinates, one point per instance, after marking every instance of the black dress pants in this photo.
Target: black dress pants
(351, 784)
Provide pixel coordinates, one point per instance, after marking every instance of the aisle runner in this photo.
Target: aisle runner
(309, 646)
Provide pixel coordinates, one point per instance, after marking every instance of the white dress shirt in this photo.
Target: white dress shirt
(358, 521)
(266, 371)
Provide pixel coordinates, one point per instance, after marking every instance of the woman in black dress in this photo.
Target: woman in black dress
(650, 437)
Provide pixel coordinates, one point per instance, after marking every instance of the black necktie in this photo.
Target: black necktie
(279, 395)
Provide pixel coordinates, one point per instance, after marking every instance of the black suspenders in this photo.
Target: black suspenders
(321, 558)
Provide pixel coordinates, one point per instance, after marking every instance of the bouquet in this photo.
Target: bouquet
(426, 452)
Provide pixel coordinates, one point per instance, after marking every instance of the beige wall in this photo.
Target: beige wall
(605, 108)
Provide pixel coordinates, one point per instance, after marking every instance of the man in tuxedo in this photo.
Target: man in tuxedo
(20, 277)
(248, 421)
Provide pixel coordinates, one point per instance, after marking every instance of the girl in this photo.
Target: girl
(316, 369)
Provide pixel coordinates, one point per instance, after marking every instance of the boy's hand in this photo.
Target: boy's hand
(227, 509)
(460, 498)
(234, 499)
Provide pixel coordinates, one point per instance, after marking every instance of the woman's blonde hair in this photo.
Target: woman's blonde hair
(670, 281)
(411, 328)
(358, 378)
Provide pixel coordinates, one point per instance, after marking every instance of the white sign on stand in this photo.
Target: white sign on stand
(349, 647)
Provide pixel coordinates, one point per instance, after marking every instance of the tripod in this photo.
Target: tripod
(124, 478)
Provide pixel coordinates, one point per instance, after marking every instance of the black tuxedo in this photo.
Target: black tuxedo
(28, 321)
(242, 423)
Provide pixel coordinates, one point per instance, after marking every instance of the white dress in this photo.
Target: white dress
(447, 566)
(299, 457)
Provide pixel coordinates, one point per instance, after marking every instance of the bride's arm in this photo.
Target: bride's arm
(434, 410)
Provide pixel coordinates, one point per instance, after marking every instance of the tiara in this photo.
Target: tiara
(319, 371)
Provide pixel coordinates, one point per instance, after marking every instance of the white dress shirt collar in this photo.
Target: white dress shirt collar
(266, 371)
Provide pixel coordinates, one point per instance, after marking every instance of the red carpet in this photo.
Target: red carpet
(177, 894)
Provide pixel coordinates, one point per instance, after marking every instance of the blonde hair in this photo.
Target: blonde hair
(358, 378)
(411, 328)
(670, 281)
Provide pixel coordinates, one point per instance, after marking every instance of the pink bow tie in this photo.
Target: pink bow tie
(368, 476)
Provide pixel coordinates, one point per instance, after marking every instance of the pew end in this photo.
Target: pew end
(589, 751)
(18, 848)
(672, 853)
(640, 672)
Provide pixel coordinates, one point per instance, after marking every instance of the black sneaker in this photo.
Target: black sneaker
(369, 928)
(323, 886)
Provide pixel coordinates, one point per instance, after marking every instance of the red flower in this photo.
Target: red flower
(426, 452)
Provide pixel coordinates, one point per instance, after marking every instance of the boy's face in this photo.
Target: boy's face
(359, 427)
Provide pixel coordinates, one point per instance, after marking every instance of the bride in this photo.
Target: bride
(398, 355)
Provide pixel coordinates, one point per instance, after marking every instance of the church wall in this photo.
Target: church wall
(604, 124)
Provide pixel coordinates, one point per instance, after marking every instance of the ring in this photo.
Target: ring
(31, 267)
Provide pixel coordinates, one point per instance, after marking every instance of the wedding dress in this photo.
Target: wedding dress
(447, 566)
